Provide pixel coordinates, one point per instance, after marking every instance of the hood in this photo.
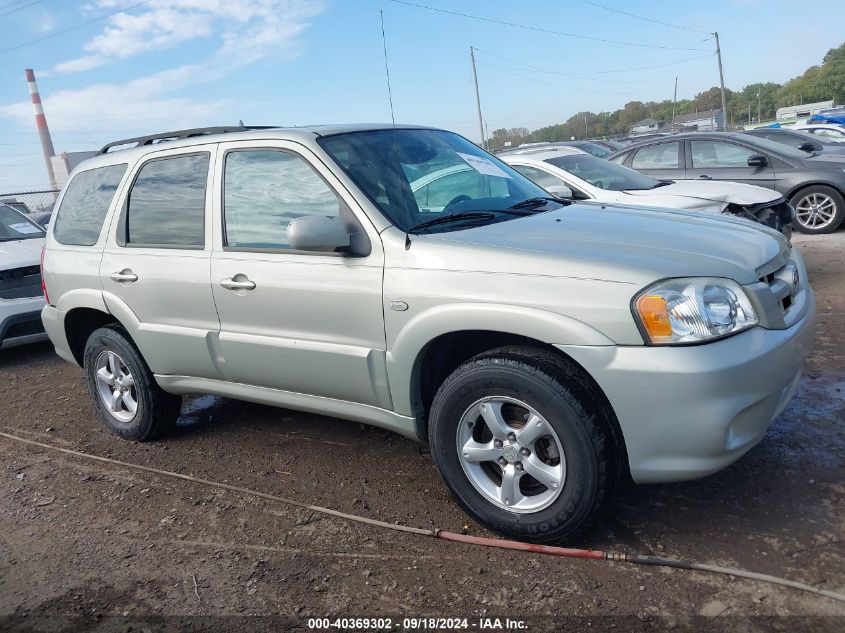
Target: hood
(614, 243)
(692, 194)
(20, 253)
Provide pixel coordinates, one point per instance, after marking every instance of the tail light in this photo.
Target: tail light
(43, 283)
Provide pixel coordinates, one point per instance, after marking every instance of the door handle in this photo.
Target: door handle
(231, 283)
(704, 177)
(125, 276)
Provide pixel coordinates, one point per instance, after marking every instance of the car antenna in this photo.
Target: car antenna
(393, 121)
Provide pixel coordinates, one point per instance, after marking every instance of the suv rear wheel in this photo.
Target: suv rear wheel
(125, 393)
(520, 440)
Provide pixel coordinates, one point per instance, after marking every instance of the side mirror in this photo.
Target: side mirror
(757, 160)
(560, 191)
(809, 146)
(317, 233)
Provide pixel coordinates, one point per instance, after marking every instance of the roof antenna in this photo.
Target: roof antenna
(393, 120)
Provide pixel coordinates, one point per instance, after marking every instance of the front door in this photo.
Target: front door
(721, 160)
(304, 322)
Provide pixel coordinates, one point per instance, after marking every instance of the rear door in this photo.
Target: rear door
(663, 161)
(724, 160)
(155, 267)
(304, 322)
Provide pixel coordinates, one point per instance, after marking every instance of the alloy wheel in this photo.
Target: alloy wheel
(815, 211)
(511, 454)
(116, 386)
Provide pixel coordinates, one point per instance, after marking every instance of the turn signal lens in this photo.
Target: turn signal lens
(654, 316)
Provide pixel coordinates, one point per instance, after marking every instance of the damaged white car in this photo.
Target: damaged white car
(570, 173)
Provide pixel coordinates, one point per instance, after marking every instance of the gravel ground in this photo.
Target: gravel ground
(93, 546)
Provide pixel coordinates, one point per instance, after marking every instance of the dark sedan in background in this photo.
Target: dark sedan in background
(801, 140)
(814, 185)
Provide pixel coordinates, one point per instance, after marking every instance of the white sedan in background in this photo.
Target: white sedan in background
(828, 131)
(569, 173)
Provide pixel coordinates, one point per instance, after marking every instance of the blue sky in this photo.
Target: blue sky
(168, 64)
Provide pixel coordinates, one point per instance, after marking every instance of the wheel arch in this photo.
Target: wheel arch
(815, 183)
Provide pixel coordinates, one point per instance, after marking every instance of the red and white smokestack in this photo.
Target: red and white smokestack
(41, 124)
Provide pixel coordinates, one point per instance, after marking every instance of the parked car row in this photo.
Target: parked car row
(814, 184)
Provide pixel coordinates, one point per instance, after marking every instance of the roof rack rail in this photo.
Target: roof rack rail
(181, 134)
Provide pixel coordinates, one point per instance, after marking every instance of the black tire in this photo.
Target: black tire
(157, 410)
(558, 391)
(833, 194)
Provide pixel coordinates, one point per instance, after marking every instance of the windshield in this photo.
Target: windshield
(414, 176)
(593, 148)
(14, 226)
(602, 173)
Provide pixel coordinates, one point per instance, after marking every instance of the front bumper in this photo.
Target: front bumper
(688, 412)
(20, 321)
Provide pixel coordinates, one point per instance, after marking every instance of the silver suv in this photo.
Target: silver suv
(545, 350)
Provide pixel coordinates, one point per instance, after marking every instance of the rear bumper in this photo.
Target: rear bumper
(20, 321)
(687, 412)
(54, 324)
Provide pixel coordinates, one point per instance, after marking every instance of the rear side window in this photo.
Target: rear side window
(663, 156)
(166, 205)
(85, 204)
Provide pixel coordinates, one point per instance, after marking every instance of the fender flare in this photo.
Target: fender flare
(540, 325)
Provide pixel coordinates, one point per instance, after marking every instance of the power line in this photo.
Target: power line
(19, 8)
(539, 29)
(9, 4)
(640, 17)
(550, 83)
(73, 28)
(583, 76)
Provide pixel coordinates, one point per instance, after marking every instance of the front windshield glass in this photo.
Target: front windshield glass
(602, 173)
(414, 176)
(14, 226)
(594, 149)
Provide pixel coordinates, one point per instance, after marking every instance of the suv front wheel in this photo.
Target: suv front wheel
(125, 394)
(520, 439)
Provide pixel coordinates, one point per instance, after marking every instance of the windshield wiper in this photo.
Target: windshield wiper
(453, 217)
(663, 183)
(538, 202)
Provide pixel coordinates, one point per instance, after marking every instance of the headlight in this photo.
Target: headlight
(693, 310)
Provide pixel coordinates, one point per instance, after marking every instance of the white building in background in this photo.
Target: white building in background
(802, 111)
(65, 162)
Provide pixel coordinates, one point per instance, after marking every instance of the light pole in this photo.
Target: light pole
(722, 83)
(759, 107)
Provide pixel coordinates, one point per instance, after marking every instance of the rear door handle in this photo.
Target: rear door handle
(238, 282)
(125, 276)
(704, 177)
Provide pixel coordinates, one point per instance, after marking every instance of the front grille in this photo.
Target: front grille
(20, 283)
(782, 286)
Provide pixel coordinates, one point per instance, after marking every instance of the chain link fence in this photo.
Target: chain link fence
(31, 201)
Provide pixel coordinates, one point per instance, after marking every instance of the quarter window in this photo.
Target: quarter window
(663, 156)
(718, 154)
(87, 198)
(166, 206)
(264, 190)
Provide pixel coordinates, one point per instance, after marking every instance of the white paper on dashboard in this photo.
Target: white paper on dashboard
(25, 229)
(483, 166)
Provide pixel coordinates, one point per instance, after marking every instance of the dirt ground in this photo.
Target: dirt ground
(92, 546)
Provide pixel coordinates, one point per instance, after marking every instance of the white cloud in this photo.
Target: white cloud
(249, 30)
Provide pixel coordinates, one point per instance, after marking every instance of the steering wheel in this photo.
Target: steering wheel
(457, 200)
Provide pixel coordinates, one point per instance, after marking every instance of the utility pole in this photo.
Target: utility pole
(477, 98)
(674, 101)
(722, 83)
(749, 113)
(585, 126)
(759, 108)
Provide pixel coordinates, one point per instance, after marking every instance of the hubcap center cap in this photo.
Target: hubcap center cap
(510, 453)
